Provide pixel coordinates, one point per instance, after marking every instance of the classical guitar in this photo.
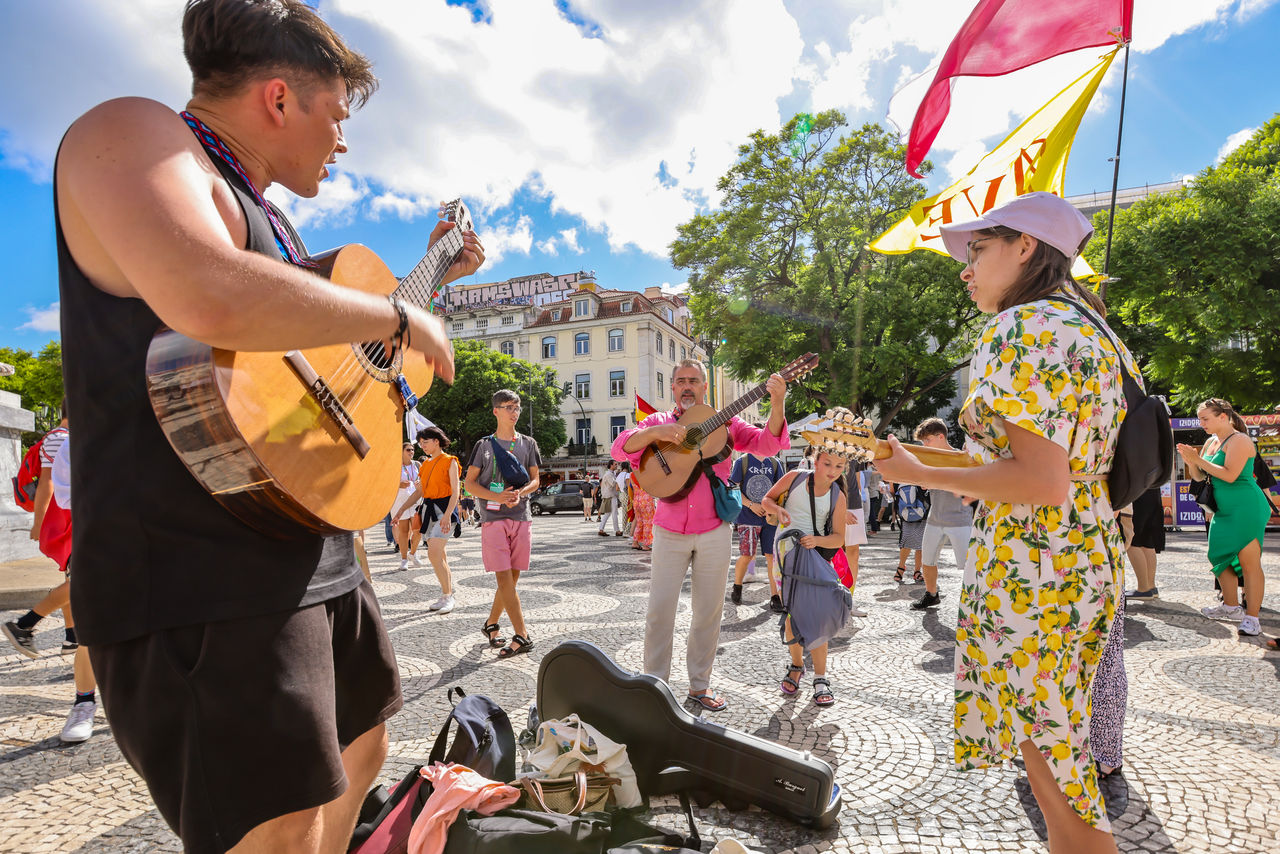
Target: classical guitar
(852, 437)
(666, 468)
(308, 438)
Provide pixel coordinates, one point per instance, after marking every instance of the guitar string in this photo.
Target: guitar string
(351, 368)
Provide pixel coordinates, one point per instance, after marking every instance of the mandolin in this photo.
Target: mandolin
(306, 439)
(852, 437)
(667, 468)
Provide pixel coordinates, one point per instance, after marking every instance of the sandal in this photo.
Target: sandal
(1105, 771)
(822, 695)
(791, 682)
(897, 576)
(919, 577)
(710, 700)
(488, 630)
(1274, 643)
(522, 645)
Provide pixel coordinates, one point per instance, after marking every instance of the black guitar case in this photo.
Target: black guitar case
(672, 751)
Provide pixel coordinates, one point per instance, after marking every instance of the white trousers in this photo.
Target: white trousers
(673, 554)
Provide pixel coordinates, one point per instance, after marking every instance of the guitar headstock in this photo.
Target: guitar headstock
(799, 367)
(456, 211)
(847, 436)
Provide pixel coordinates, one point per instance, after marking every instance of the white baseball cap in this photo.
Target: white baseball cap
(1044, 216)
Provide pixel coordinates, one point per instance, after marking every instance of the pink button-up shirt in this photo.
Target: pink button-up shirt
(695, 513)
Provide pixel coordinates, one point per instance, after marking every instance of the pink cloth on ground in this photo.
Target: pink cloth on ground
(455, 788)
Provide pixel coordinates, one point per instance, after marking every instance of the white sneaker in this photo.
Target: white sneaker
(1224, 612)
(404, 564)
(414, 557)
(855, 611)
(1250, 626)
(750, 577)
(443, 605)
(79, 725)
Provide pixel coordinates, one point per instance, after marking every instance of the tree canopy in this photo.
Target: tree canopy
(464, 411)
(37, 380)
(1198, 290)
(784, 267)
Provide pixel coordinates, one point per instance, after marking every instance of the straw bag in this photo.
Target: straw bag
(573, 795)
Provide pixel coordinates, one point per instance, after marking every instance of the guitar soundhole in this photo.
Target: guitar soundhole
(693, 437)
(373, 358)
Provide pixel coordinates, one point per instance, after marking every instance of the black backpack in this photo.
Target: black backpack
(1144, 448)
(484, 740)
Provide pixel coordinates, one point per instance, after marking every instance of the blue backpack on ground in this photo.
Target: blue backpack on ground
(913, 503)
(818, 604)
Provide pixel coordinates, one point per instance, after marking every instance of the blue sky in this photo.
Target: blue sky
(581, 133)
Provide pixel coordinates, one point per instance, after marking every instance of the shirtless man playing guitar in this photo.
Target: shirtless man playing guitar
(227, 657)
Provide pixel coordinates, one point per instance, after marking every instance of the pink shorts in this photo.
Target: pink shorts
(504, 544)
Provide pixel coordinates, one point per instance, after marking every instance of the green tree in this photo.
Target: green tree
(784, 267)
(464, 410)
(1198, 290)
(37, 380)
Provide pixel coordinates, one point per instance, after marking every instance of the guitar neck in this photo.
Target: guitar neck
(420, 286)
(935, 457)
(722, 417)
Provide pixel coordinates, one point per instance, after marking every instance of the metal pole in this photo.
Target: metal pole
(1115, 177)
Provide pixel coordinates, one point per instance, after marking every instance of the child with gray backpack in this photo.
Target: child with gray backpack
(816, 603)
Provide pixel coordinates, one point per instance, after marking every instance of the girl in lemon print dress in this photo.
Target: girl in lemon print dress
(1044, 567)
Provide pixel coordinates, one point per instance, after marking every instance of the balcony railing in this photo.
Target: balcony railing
(577, 449)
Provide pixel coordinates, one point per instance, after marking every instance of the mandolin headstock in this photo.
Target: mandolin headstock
(848, 436)
(456, 211)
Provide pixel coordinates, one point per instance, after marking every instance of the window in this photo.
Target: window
(457, 326)
(662, 387)
(626, 305)
(658, 338)
(670, 317)
(555, 315)
(671, 346)
(555, 489)
(684, 353)
(582, 386)
(508, 348)
(615, 340)
(508, 320)
(582, 308)
(549, 347)
(582, 344)
(584, 431)
(617, 423)
(617, 383)
(482, 323)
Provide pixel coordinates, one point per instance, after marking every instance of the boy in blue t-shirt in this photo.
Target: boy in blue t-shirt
(754, 476)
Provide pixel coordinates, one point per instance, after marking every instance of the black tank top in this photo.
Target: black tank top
(152, 550)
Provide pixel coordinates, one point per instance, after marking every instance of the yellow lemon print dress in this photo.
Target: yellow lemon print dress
(1040, 583)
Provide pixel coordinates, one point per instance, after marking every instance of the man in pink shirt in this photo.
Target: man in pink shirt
(686, 530)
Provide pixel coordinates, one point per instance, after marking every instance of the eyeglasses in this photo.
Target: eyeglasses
(511, 407)
(968, 249)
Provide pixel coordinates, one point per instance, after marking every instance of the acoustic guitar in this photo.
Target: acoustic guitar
(667, 468)
(852, 437)
(308, 438)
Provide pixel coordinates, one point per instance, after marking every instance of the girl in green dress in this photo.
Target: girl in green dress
(1045, 563)
(1237, 528)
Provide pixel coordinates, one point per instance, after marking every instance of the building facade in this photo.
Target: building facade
(605, 346)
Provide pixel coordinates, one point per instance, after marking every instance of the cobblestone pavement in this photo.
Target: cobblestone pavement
(1202, 767)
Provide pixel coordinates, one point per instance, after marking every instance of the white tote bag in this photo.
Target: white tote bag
(562, 746)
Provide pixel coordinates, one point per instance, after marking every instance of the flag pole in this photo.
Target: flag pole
(1115, 178)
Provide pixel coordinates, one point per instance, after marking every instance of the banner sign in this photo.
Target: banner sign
(1185, 423)
(538, 290)
(1188, 512)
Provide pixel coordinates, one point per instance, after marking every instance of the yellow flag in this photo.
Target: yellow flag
(1033, 157)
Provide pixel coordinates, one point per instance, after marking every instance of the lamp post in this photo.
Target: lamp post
(568, 389)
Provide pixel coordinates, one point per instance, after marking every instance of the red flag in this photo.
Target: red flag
(643, 409)
(1001, 36)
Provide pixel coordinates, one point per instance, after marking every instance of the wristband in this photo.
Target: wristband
(400, 338)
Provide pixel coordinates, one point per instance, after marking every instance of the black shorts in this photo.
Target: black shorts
(234, 723)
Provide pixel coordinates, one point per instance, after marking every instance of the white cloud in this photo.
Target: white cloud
(548, 246)
(335, 204)
(503, 237)
(675, 290)
(570, 238)
(45, 319)
(1233, 142)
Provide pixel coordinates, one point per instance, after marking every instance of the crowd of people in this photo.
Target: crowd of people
(185, 612)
